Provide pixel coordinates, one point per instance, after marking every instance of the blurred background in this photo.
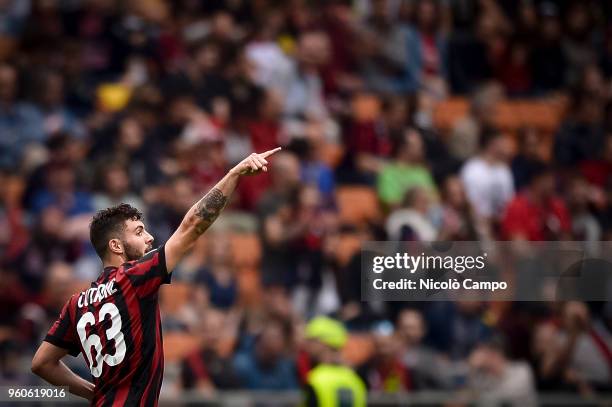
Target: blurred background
(399, 119)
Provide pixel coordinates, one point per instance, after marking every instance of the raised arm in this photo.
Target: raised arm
(206, 210)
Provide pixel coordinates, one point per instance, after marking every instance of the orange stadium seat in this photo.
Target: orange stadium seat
(358, 349)
(174, 296)
(178, 345)
(506, 116)
(544, 115)
(447, 112)
(357, 204)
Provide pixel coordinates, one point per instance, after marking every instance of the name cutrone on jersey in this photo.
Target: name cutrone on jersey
(97, 294)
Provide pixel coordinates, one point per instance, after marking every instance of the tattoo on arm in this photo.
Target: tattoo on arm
(209, 208)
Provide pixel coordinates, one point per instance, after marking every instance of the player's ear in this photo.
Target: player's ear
(115, 246)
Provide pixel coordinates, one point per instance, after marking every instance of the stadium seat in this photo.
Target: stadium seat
(447, 112)
(506, 116)
(358, 349)
(357, 204)
(246, 249)
(174, 296)
(177, 345)
(544, 115)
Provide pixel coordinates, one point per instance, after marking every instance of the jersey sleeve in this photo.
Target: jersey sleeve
(150, 272)
(63, 332)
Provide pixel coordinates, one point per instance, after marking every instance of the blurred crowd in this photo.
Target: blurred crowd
(150, 102)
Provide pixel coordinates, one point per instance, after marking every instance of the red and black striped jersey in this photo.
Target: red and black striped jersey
(116, 325)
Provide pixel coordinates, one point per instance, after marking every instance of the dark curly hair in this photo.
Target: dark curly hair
(109, 224)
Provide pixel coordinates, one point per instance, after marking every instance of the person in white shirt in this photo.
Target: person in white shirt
(487, 178)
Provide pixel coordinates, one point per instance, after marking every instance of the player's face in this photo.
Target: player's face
(136, 240)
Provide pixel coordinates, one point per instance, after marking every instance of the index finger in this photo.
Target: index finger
(270, 152)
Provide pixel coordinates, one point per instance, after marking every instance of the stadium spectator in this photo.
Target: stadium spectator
(528, 155)
(219, 276)
(495, 379)
(265, 131)
(49, 242)
(271, 68)
(383, 56)
(406, 171)
(426, 63)
(167, 203)
(427, 368)
(13, 17)
(598, 170)
(411, 221)
(13, 228)
(366, 141)
(579, 200)
(17, 120)
(513, 69)
(61, 191)
(268, 366)
(467, 131)
(115, 188)
(580, 137)
(303, 94)
(205, 80)
(354, 312)
(457, 220)
(386, 370)
(578, 351)
(455, 328)
(54, 116)
(205, 369)
(578, 43)
(549, 60)
(340, 74)
(314, 170)
(279, 230)
(330, 381)
(487, 178)
(537, 213)
(468, 53)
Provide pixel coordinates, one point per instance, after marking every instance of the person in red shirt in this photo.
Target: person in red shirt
(537, 214)
(115, 324)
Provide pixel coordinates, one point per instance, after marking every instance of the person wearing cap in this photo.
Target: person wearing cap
(330, 383)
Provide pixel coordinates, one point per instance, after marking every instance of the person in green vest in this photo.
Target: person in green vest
(330, 383)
